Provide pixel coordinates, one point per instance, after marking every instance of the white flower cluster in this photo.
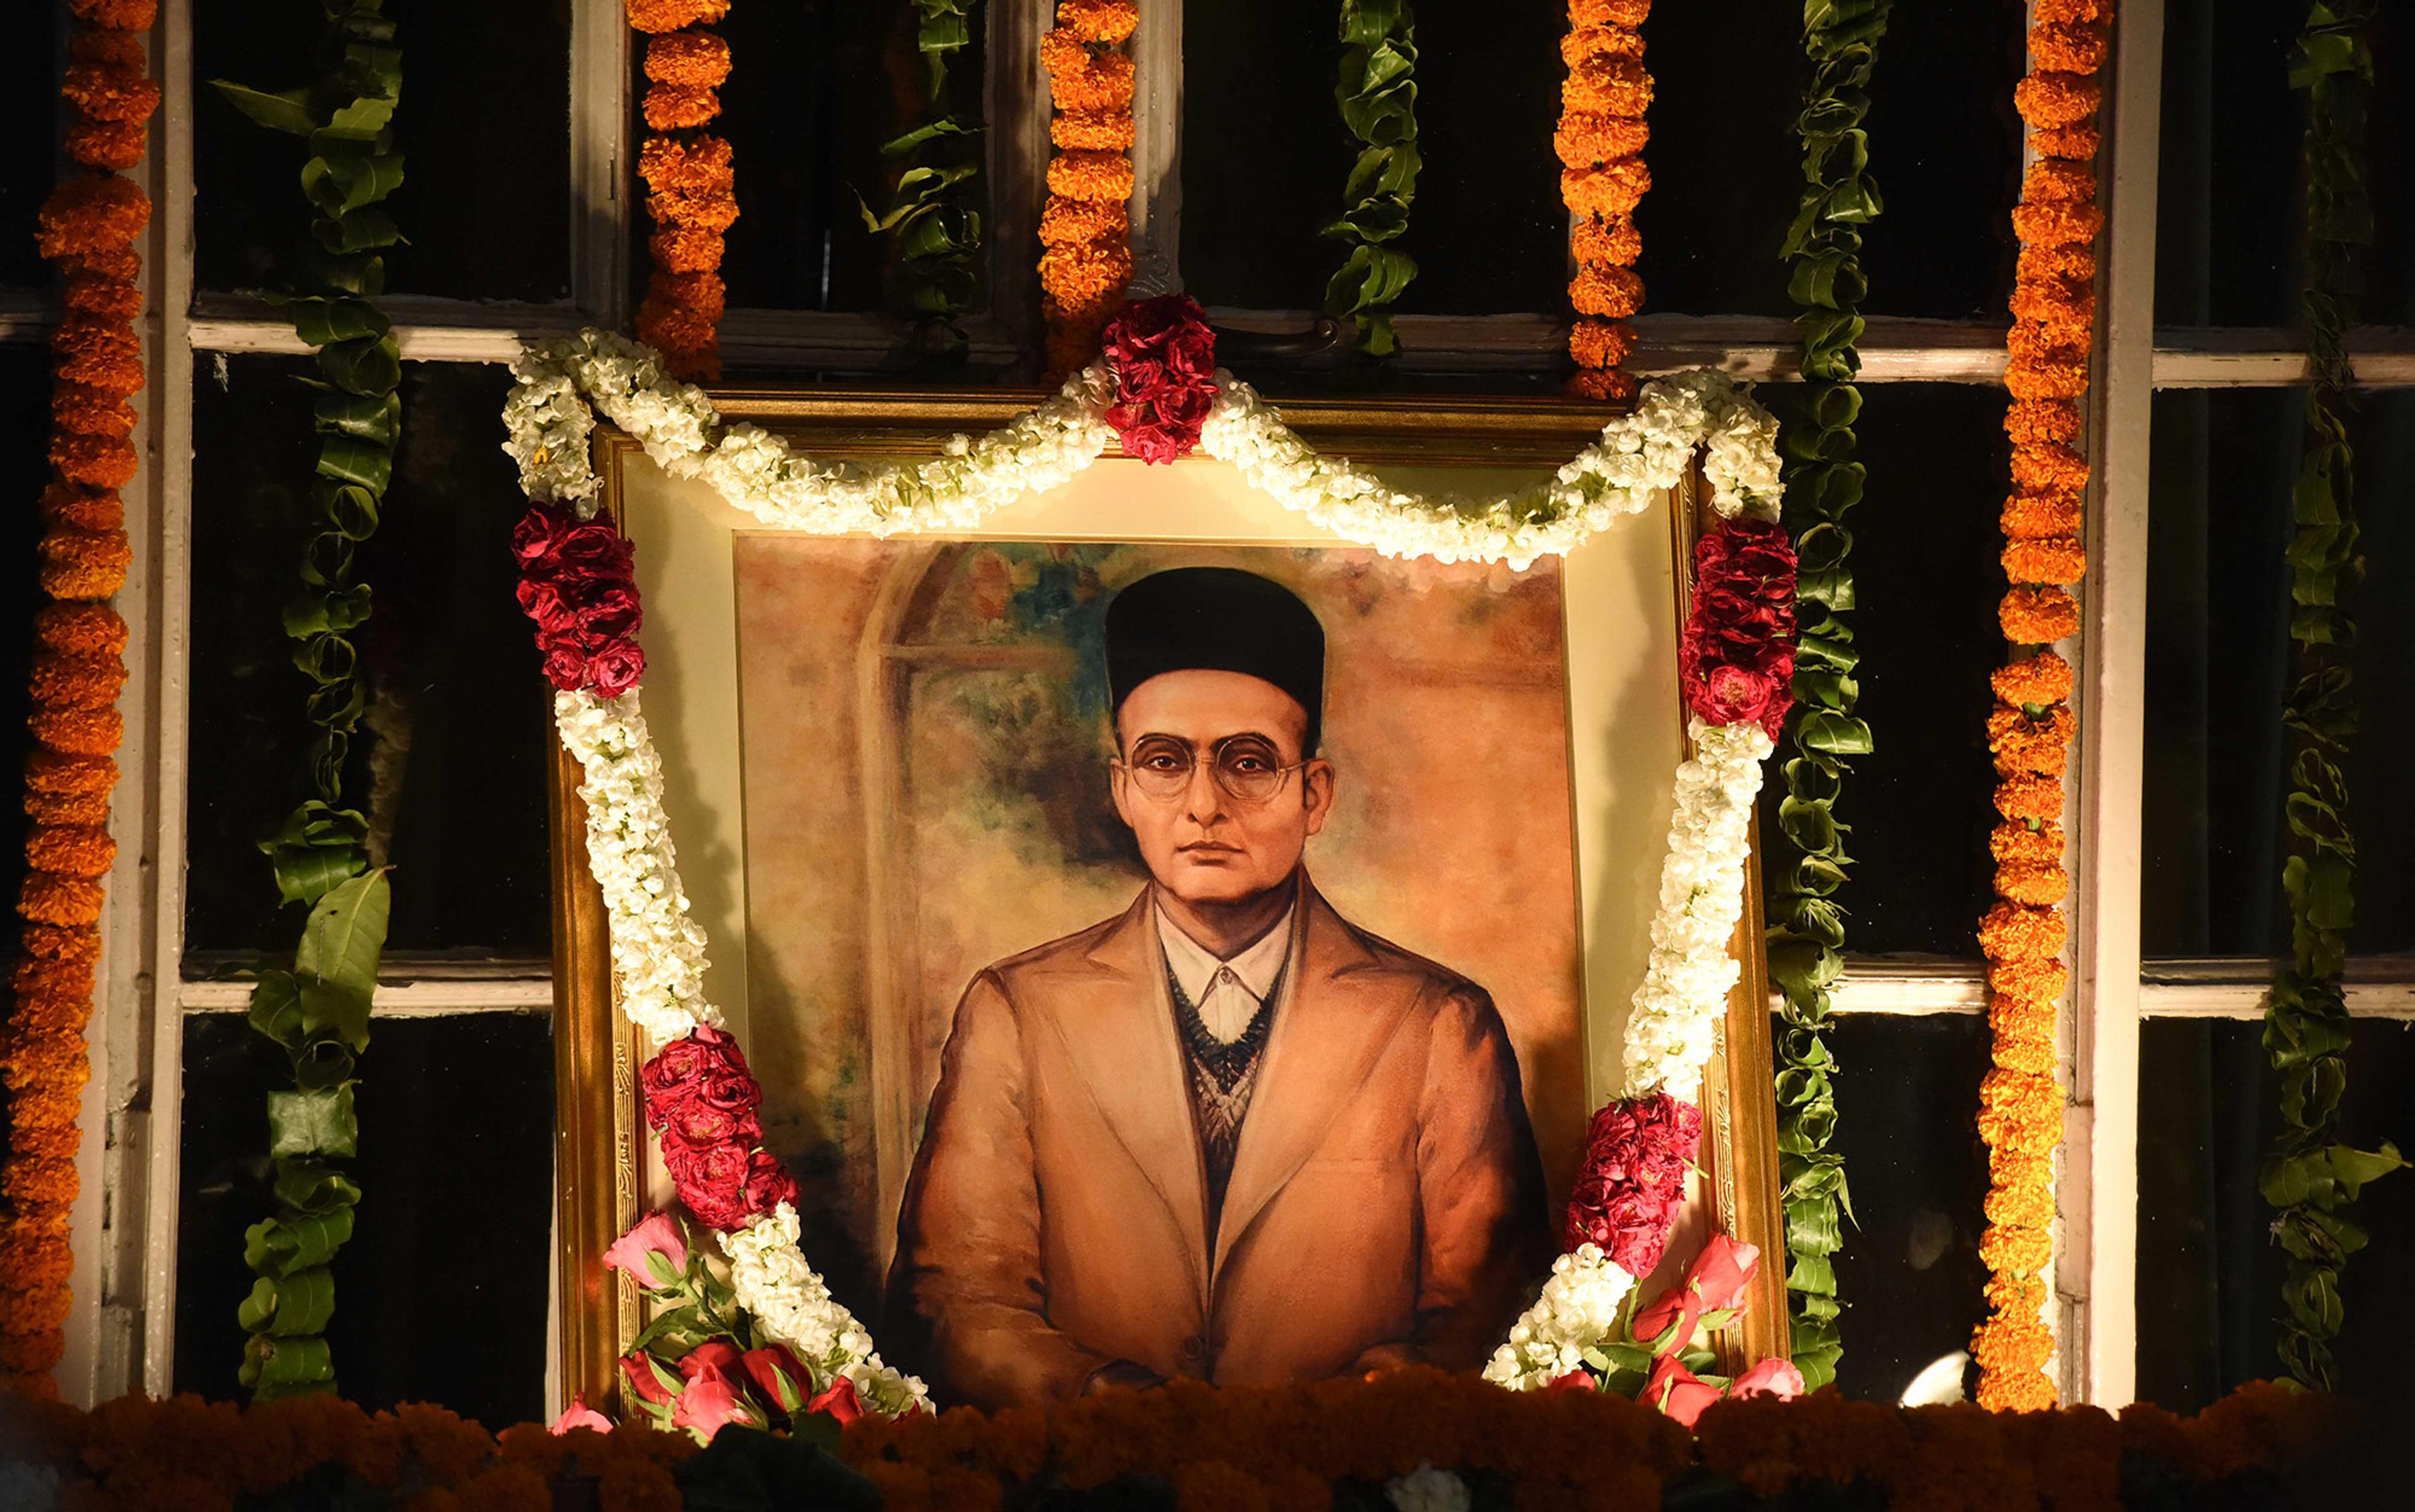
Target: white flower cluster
(1674, 1022)
(658, 948)
(561, 383)
(772, 1281)
(1428, 1489)
(1640, 454)
(1577, 1310)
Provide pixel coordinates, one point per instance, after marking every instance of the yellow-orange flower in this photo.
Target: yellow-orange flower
(1098, 176)
(671, 15)
(680, 107)
(2054, 560)
(2020, 845)
(2032, 615)
(2024, 981)
(1605, 242)
(1099, 21)
(692, 60)
(2011, 932)
(2046, 467)
(2042, 678)
(1091, 131)
(2055, 99)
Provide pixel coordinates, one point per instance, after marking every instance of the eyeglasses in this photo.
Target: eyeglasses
(1246, 767)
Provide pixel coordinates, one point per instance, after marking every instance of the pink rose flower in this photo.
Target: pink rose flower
(1771, 1377)
(1713, 1283)
(657, 1236)
(1678, 1391)
(578, 1414)
(711, 1404)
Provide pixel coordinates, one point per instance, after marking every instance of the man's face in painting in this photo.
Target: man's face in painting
(1186, 742)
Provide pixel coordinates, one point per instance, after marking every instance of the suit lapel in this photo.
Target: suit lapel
(1328, 1032)
(1116, 1026)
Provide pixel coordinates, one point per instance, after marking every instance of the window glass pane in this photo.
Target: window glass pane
(2228, 204)
(2209, 1272)
(24, 467)
(440, 1295)
(484, 127)
(1924, 545)
(1264, 148)
(1910, 1274)
(2218, 663)
(1265, 154)
(450, 762)
(815, 86)
(29, 112)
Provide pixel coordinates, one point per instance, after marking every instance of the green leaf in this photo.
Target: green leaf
(313, 1123)
(345, 934)
(287, 111)
(277, 1008)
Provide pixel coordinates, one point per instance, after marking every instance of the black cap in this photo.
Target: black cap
(1217, 620)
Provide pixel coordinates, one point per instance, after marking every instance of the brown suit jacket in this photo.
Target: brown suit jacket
(1386, 1203)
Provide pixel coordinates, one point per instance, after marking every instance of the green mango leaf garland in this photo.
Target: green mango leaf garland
(935, 230)
(1378, 96)
(318, 1009)
(1823, 481)
(2310, 1177)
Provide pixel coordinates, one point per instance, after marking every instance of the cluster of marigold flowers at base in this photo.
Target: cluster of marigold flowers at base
(1602, 178)
(690, 183)
(1086, 252)
(1281, 1448)
(184, 1452)
(2028, 730)
(89, 228)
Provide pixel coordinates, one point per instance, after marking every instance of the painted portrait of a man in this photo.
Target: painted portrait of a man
(1225, 1132)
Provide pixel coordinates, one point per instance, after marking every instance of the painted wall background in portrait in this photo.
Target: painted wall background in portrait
(923, 742)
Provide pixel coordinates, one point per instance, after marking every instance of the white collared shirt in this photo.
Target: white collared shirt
(1227, 994)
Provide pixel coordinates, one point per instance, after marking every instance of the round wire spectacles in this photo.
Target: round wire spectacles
(1246, 767)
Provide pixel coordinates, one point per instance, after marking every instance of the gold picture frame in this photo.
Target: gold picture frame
(601, 1155)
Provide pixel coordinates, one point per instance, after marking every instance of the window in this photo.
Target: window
(530, 223)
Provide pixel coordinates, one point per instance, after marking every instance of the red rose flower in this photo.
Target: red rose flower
(840, 1402)
(697, 1124)
(643, 1381)
(1678, 1391)
(711, 1181)
(533, 537)
(780, 1376)
(591, 548)
(768, 1182)
(615, 670)
(707, 1066)
(611, 613)
(565, 663)
(1162, 353)
(1628, 1193)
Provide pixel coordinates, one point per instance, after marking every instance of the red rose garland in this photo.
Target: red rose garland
(1626, 1197)
(1163, 354)
(702, 1100)
(579, 583)
(1736, 658)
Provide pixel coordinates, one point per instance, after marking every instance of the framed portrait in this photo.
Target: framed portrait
(1165, 933)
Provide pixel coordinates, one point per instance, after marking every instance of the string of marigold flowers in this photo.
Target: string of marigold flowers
(1602, 179)
(2312, 1176)
(89, 229)
(1086, 252)
(1823, 481)
(690, 183)
(2028, 730)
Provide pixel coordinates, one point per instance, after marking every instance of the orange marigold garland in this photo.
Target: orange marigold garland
(1085, 252)
(1602, 178)
(690, 179)
(89, 228)
(2053, 306)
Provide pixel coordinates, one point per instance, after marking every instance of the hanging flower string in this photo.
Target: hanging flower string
(691, 182)
(1086, 257)
(1156, 389)
(2054, 305)
(89, 229)
(1602, 179)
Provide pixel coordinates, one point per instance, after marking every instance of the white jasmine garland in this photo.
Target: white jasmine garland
(563, 384)
(1674, 1022)
(1577, 1310)
(658, 950)
(768, 1274)
(1428, 1489)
